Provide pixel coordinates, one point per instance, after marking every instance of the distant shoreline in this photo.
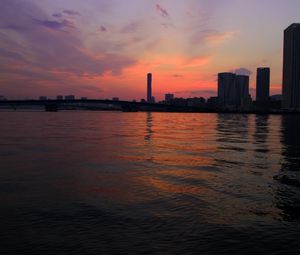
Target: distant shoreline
(123, 106)
(153, 111)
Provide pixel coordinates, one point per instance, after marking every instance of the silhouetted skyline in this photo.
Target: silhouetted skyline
(103, 49)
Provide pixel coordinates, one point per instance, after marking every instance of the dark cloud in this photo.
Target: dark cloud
(163, 12)
(242, 71)
(33, 58)
(54, 24)
(130, 28)
(57, 15)
(103, 29)
(14, 27)
(70, 12)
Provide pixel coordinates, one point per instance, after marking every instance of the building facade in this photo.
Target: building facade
(263, 84)
(233, 91)
(291, 68)
(244, 100)
(242, 86)
(226, 89)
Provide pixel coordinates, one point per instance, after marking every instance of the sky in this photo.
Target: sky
(105, 48)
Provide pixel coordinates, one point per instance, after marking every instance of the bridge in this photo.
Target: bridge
(96, 104)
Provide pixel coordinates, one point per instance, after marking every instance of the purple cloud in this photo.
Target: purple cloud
(10, 54)
(163, 12)
(57, 15)
(45, 61)
(130, 28)
(54, 24)
(72, 13)
(14, 27)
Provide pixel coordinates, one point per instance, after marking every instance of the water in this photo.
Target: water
(149, 183)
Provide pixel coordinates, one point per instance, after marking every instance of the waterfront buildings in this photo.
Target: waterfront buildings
(233, 91)
(263, 85)
(169, 97)
(291, 68)
(70, 97)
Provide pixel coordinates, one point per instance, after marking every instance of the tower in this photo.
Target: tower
(263, 84)
(149, 87)
(291, 68)
(226, 89)
(242, 86)
(242, 89)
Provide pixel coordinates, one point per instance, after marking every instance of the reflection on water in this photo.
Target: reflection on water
(134, 183)
(149, 130)
(288, 194)
(261, 129)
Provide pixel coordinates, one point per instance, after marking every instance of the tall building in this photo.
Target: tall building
(149, 88)
(242, 86)
(291, 68)
(263, 84)
(243, 95)
(226, 89)
(233, 91)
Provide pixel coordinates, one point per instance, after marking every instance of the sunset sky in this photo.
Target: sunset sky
(104, 48)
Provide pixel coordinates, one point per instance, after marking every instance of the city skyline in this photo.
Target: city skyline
(56, 47)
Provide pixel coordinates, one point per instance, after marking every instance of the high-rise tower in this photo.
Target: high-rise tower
(226, 89)
(263, 84)
(149, 88)
(233, 91)
(291, 68)
(242, 86)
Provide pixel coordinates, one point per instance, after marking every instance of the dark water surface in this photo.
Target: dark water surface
(149, 183)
